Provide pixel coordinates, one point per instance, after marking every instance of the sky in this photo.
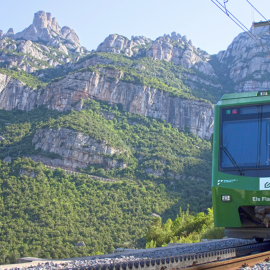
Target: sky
(93, 20)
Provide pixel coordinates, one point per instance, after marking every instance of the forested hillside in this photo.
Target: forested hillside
(138, 111)
(151, 150)
(46, 215)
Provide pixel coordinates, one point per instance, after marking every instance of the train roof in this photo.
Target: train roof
(245, 98)
(241, 95)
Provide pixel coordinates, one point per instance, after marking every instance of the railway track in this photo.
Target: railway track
(219, 259)
(235, 263)
(226, 258)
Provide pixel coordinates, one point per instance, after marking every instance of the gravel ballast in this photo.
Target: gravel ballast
(124, 257)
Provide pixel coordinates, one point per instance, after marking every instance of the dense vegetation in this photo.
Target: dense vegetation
(167, 168)
(47, 215)
(186, 228)
(155, 150)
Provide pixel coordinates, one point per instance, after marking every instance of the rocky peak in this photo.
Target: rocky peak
(180, 51)
(47, 29)
(246, 62)
(10, 32)
(45, 20)
(172, 48)
(175, 36)
(119, 44)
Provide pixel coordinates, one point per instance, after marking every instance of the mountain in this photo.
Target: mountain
(44, 44)
(137, 111)
(244, 66)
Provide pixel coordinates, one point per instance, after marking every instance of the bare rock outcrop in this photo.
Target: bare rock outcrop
(14, 94)
(147, 101)
(10, 32)
(174, 48)
(247, 64)
(180, 51)
(119, 44)
(74, 149)
(32, 53)
(47, 29)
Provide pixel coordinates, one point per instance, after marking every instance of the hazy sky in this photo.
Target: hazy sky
(93, 20)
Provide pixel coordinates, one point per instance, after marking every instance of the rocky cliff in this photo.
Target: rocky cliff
(246, 63)
(120, 44)
(69, 92)
(14, 94)
(74, 149)
(180, 51)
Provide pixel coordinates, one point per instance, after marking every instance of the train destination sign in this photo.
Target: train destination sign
(261, 199)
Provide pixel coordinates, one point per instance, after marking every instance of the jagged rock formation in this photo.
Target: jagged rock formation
(30, 56)
(120, 44)
(25, 51)
(46, 28)
(147, 101)
(247, 64)
(180, 51)
(174, 48)
(74, 149)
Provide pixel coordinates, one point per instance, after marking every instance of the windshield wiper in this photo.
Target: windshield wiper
(231, 159)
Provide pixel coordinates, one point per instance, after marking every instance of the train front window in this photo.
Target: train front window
(245, 137)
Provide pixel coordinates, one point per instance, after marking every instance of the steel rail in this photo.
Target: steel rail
(235, 263)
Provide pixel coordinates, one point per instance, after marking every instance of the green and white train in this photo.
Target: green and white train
(241, 165)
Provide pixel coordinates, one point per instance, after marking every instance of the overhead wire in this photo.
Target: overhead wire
(246, 29)
(224, 2)
(257, 10)
(229, 13)
(242, 26)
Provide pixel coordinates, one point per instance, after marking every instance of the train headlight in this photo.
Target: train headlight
(226, 198)
(263, 93)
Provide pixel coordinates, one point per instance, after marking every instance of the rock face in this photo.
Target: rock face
(180, 51)
(246, 63)
(147, 101)
(74, 149)
(10, 32)
(174, 48)
(14, 94)
(30, 54)
(119, 44)
(46, 28)
(24, 50)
